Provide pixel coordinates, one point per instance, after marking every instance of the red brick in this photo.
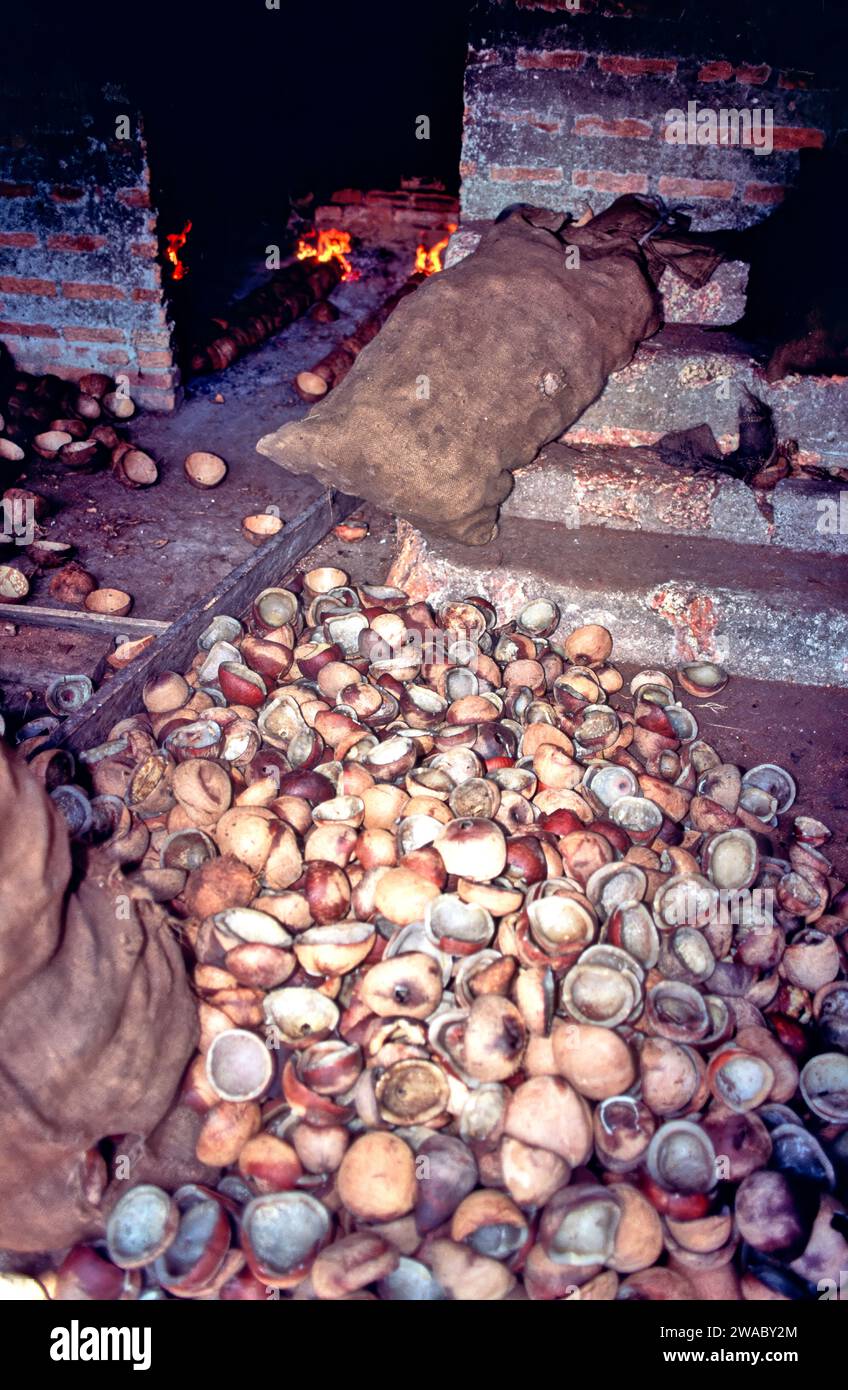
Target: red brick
(74, 290)
(133, 197)
(148, 250)
(671, 187)
(76, 243)
(500, 173)
(16, 190)
(28, 330)
(155, 359)
(24, 240)
(764, 193)
(66, 193)
(114, 359)
(560, 59)
(33, 362)
(625, 128)
(526, 118)
(609, 181)
(794, 80)
(94, 335)
(467, 168)
(159, 380)
(483, 55)
(715, 72)
(434, 202)
(625, 66)
(13, 284)
(146, 296)
(754, 74)
(791, 137)
(152, 340)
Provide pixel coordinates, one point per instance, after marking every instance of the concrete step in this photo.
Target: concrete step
(631, 490)
(687, 375)
(762, 612)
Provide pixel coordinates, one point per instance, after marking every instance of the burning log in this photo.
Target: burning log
(322, 262)
(327, 373)
(265, 312)
(339, 360)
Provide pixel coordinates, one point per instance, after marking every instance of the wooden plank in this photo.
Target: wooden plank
(96, 623)
(174, 649)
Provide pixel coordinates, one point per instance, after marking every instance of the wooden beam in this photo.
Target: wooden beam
(174, 649)
(33, 616)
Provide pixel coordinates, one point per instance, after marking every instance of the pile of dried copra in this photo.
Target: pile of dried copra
(504, 990)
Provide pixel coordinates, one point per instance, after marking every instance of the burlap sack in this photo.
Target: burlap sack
(489, 361)
(97, 1022)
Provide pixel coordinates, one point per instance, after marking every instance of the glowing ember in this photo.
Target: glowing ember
(330, 245)
(176, 241)
(429, 262)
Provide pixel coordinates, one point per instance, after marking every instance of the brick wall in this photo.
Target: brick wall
(402, 216)
(566, 106)
(80, 280)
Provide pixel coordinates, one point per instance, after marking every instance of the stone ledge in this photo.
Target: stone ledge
(631, 490)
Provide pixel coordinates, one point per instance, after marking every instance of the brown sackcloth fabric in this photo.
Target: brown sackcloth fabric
(489, 361)
(97, 1021)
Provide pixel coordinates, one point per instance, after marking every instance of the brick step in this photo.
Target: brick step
(626, 489)
(763, 613)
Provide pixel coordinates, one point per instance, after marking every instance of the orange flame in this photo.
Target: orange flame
(430, 262)
(176, 241)
(329, 245)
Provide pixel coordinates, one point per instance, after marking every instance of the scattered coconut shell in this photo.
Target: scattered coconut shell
(96, 384)
(77, 429)
(126, 652)
(310, 386)
(48, 444)
(352, 530)
(702, 678)
(106, 435)
(49, 555)
(82, 455)
(14, 585)
(205, 470)
(119, 405)
(72, 584)
(114, 602)
(11, 452)
(261, 526)
(87, 407)
(134, 468)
